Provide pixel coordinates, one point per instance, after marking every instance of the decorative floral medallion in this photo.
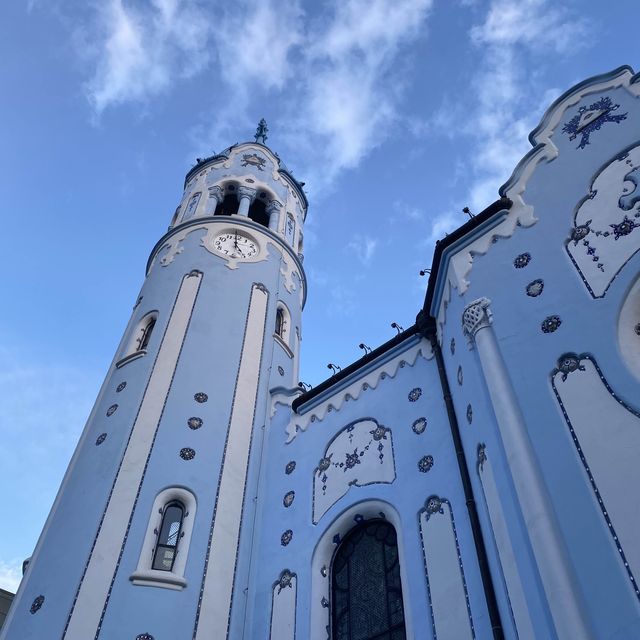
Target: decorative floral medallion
(288, 499)
(194, 423)
(145, 636)
(291, 465)
(200, 397)
(286, 537)
(550, 324)
(482, 455)
(580, 232)
(590, 119)
(623, 228)
(568, 363)
(459, 375)
(522, 260)
(352, 459)
(324, 572)
(414, 394)
(187, 453)
(469, 414)
(36, 604)
(324, 602)
(100, 439)
(120, 387)
(452, 346)
(425, 463)
(285, 579)
(111, 410)
(324, 464)
(280, 370)
(419, 425)
(534, 288)
(637, 329)
(379, 433)
(434, 505)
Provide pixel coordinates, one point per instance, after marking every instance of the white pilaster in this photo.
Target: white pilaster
(215, 605)
(535, 501)
(94, 588)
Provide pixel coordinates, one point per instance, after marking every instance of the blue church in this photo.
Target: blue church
(471, 478)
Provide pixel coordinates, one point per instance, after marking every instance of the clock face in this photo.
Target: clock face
(235, 245)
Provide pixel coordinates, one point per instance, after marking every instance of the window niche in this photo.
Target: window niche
(166, 543)
(139, 342)
(282, 328)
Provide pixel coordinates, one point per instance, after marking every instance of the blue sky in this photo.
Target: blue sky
(396, 114)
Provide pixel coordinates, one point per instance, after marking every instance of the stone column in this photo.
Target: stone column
(548, 545)
(246, 196)
(216, 195)
(273, 210)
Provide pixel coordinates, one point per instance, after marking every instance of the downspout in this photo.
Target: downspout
(428, 331)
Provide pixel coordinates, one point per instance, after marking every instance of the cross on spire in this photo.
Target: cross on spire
(261, 132)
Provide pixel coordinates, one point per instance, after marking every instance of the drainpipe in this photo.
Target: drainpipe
(428, 331)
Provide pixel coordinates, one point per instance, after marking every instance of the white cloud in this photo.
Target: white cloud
(510, 32)
(538, 24)
(141, 51)
(10, 575)
(255, 40)
(339, 74)
(353, 80)
(363, 247)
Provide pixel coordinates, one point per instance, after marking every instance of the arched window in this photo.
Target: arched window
(258, 212)
(165, 549)
(229, 205)
(280, 322)
(164, 554)
(145, 335)
(365, 585)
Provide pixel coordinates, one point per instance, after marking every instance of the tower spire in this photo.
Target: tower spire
(261, 131)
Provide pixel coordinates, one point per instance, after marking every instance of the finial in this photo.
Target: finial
(261, 132)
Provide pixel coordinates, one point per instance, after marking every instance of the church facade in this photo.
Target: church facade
(474, 477)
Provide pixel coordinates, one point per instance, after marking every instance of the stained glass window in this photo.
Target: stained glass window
(366, 588)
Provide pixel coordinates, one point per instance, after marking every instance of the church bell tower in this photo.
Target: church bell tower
(151, 532)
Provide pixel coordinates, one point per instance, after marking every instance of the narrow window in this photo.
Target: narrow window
(145, 336)
(164, 554)
(280, 322)
(366, 589)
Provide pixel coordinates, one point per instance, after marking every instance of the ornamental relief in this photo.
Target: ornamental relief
(605, 431)
(360, 454)
(604, 236)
